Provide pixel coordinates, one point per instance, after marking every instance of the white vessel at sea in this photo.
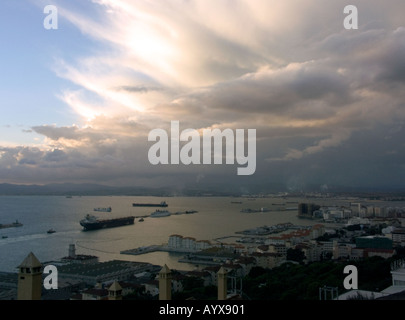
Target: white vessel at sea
(160, 213)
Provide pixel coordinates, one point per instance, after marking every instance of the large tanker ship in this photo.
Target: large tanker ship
(162, 204)
(93, 223)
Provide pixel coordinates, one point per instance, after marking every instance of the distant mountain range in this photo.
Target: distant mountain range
(72, 189)
(88, 189)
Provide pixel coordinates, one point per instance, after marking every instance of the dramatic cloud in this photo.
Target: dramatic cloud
(316, 93)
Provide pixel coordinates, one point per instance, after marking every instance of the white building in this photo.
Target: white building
(398, 236)
(177, 241)
(398, 277)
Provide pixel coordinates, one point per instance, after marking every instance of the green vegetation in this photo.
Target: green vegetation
(295, 280)
(302, 282)
(295, 255)
(193, 288)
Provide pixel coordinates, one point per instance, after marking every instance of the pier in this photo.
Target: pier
(155, 248)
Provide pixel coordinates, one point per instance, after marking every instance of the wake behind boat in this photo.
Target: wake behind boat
(91, 222)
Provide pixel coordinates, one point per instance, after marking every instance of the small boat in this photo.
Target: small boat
(4, 237)
(141, 220)
(51, 231)
(160, 213)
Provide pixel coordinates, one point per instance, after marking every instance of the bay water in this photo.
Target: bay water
(216, 217)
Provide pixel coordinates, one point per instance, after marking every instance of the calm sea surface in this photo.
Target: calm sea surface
(216, 217)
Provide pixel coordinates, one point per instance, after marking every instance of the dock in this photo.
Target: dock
(155, 248)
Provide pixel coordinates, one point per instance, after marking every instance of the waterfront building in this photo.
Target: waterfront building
(306, 210)
(202, 245)
(177, 241)
(188, 243)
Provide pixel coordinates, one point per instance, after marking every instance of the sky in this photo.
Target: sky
(78, 102)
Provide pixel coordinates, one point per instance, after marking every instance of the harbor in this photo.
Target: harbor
(209, 256)
(156, 248)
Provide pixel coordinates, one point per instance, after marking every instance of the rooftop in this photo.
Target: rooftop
(31, 261)
(98, 269)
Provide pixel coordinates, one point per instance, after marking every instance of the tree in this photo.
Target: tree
(295, 255)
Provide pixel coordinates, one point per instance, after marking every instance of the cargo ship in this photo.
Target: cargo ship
(11, 225)
(92, 223)
(162, 204)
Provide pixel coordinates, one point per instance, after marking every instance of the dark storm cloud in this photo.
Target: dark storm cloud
(327, 103)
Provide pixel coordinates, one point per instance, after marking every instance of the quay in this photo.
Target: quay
(155, 248)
